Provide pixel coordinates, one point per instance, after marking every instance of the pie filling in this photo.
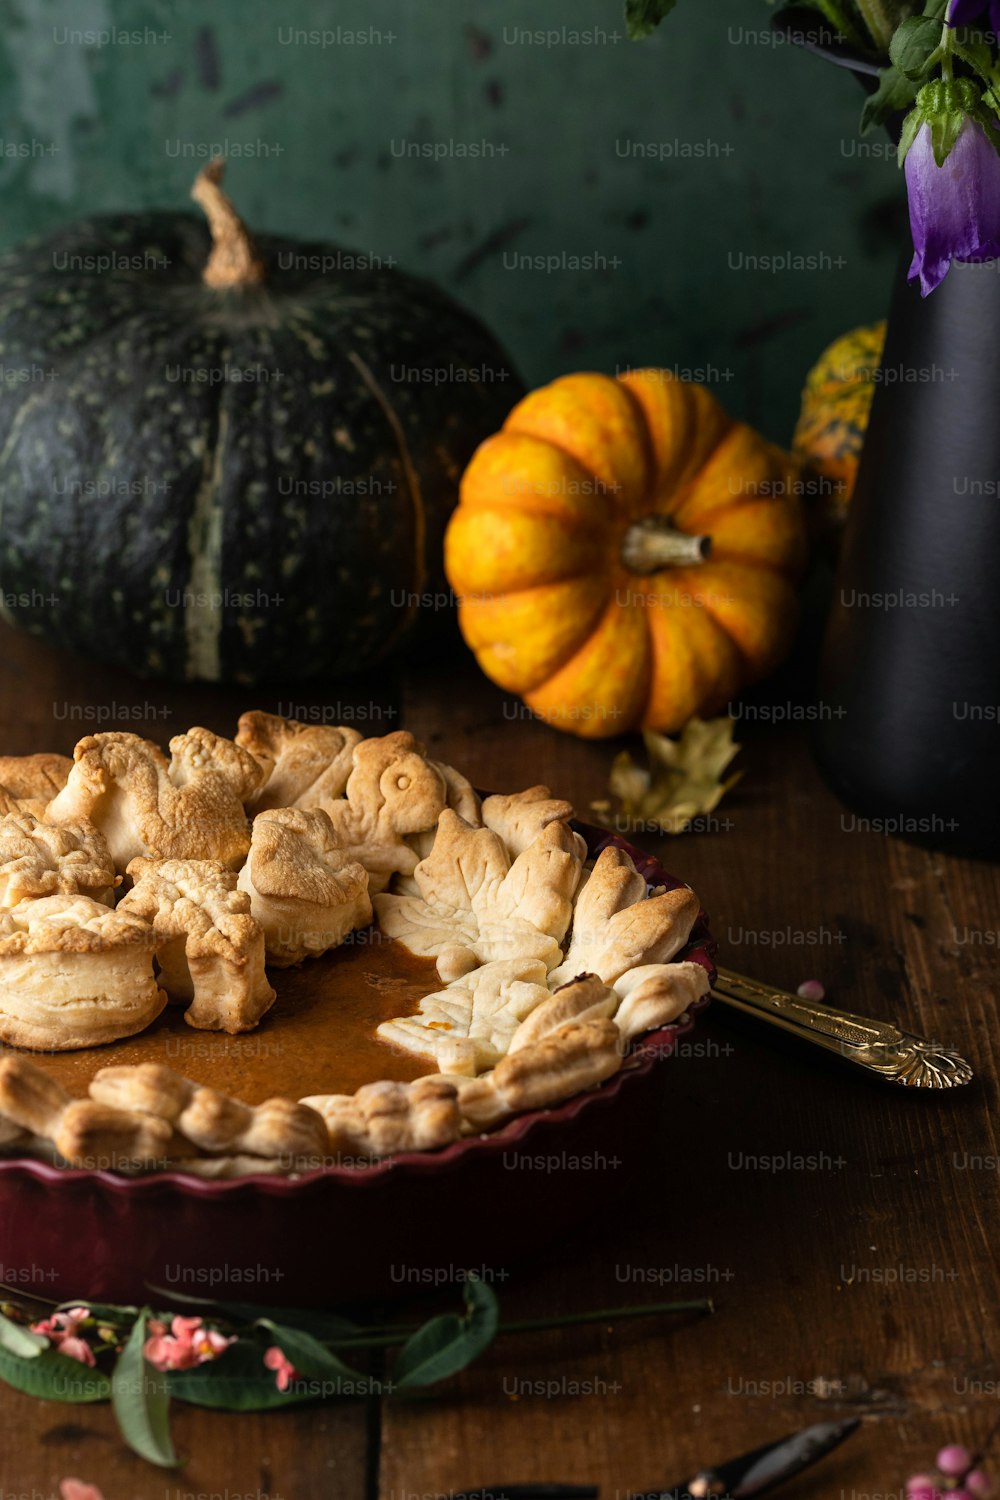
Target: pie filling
(317, 1038)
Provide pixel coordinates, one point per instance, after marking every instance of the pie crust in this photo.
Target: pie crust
(187, 807)
(270, 850)
(474, 902)
(29, 782)
(210, 949)
(74, 973)
(306, 891)
(39, 859)
(305, 765)
(393, 793)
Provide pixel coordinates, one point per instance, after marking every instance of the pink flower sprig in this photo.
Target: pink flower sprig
(63, 1329)
(284, 1371)
(187, 1343)
(957, 1477)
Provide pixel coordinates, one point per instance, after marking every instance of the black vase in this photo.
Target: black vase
(910, 671)
(909, 726)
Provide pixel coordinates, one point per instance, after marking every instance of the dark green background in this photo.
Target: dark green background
(102, 123)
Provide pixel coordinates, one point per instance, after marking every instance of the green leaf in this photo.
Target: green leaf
(318, 1366)
(141, 1401)
(448, 1344)
(237, 1381)
(895, 92)
(911, 126)
(19, 1340)
(842, 16)
(53, 1377)
(945, 131)
(482, 1311)
(916, 46)
(643, 16)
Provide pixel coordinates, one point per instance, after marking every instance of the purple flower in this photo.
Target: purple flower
(967, 12)
(954, 208)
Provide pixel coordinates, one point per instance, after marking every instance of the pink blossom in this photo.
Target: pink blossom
(188, 1343)
(79, 1349)
(63, 1329)
(284, 1371)
(77, 1489)
(62, 1323)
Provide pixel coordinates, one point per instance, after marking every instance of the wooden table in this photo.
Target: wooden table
(864, 1282)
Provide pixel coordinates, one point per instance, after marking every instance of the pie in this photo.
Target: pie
(303, 947)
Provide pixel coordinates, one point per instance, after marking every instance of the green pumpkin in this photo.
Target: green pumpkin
(229, 459)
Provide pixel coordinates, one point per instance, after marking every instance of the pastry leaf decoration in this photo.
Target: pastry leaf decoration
(683, 781)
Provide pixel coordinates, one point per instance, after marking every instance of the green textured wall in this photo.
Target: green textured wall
(759, 158)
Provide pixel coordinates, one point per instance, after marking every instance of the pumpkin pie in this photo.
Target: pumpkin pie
(366, 958)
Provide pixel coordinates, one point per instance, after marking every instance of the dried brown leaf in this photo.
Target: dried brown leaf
(684, 779)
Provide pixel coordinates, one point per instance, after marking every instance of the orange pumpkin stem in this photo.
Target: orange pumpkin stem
(654, 543)
(234, 261)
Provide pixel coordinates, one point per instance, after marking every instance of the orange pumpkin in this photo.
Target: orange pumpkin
(836, 404)
(624, 554)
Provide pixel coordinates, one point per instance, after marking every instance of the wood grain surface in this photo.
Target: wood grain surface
(846, 1232)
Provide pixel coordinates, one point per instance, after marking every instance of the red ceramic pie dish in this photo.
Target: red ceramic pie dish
(344, 1232)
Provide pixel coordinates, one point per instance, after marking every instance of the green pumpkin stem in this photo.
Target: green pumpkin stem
(654, 543)
(234, 260)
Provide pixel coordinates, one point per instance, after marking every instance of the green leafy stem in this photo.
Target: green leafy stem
(881, 20)
(312, 1342)
(839, 17)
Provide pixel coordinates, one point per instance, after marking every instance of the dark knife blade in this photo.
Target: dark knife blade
(755, 1472)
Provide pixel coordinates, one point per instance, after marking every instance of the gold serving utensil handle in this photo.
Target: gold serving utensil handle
(877, 1046)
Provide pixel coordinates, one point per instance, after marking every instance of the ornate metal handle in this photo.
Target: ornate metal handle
(878, 1046)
